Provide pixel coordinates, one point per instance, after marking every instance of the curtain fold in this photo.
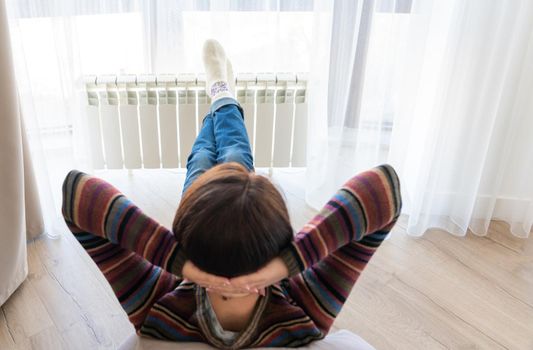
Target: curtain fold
(20, 210)
(443, 97)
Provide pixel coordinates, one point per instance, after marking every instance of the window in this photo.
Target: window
(55, 46)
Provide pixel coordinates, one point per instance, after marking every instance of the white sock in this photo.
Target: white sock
(218, 83)
(231, 77)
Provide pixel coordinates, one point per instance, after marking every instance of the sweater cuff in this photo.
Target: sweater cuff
(290, 258)
(176, 266)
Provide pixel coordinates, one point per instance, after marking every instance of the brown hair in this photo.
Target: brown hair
(231, 221)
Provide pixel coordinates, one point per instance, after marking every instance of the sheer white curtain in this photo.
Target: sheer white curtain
(56, 43)
(442, 91)
(438, 89)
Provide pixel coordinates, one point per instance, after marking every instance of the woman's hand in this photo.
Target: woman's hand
(212, 282)
(271, 273)
(202, 278)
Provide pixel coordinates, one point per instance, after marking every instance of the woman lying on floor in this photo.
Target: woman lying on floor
(231, 273)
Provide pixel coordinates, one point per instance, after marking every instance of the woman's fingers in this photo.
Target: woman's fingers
(214, 280)
(225, 288)
(264, 277)
(271, 273)
(193, 273)
(235, 290)
(235, 295)
(242, 281)
(249, 281)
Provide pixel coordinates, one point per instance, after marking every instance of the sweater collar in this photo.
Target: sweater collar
(244, 336)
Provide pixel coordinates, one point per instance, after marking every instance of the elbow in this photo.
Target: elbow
(394, 194)
(68, 190)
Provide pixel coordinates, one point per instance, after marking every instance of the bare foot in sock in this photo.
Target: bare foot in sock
(217, 70)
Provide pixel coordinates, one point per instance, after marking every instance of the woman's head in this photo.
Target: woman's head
(231, 221)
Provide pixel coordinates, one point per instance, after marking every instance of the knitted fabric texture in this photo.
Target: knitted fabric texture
(142, 261)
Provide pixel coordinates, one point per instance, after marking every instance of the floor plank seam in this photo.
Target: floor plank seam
(9, 330)
(436, 340)
(84, 257)
(76, 302)
(450, 312)
(478, 273)
(516, 252)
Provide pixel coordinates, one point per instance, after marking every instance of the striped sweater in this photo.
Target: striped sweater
(142, 261)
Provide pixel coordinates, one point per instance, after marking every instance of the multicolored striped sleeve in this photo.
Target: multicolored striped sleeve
(93, 205)
(328, 255)
(130, 249)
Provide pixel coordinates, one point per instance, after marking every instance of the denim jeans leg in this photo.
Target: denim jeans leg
(203, 154)
(231, 138)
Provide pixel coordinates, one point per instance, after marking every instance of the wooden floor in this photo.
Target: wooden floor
(434, 292)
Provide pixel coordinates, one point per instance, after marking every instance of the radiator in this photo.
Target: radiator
(147, 121)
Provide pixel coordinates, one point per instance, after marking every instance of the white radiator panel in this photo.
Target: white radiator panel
(263, 136)
(246, 98)
(299, 151)
(149, 136)
(169, 136)
(151, 122)
(130, 137)
(95, 137)
(111, 135)
(282, 134)
(187, 120)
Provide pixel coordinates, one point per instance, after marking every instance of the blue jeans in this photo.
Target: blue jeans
(222, 138)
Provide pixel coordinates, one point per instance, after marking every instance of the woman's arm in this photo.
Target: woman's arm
(363, 210)
(139, 258)
(137, 283)
(130, 249)
(92, 205)
(330, 252)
